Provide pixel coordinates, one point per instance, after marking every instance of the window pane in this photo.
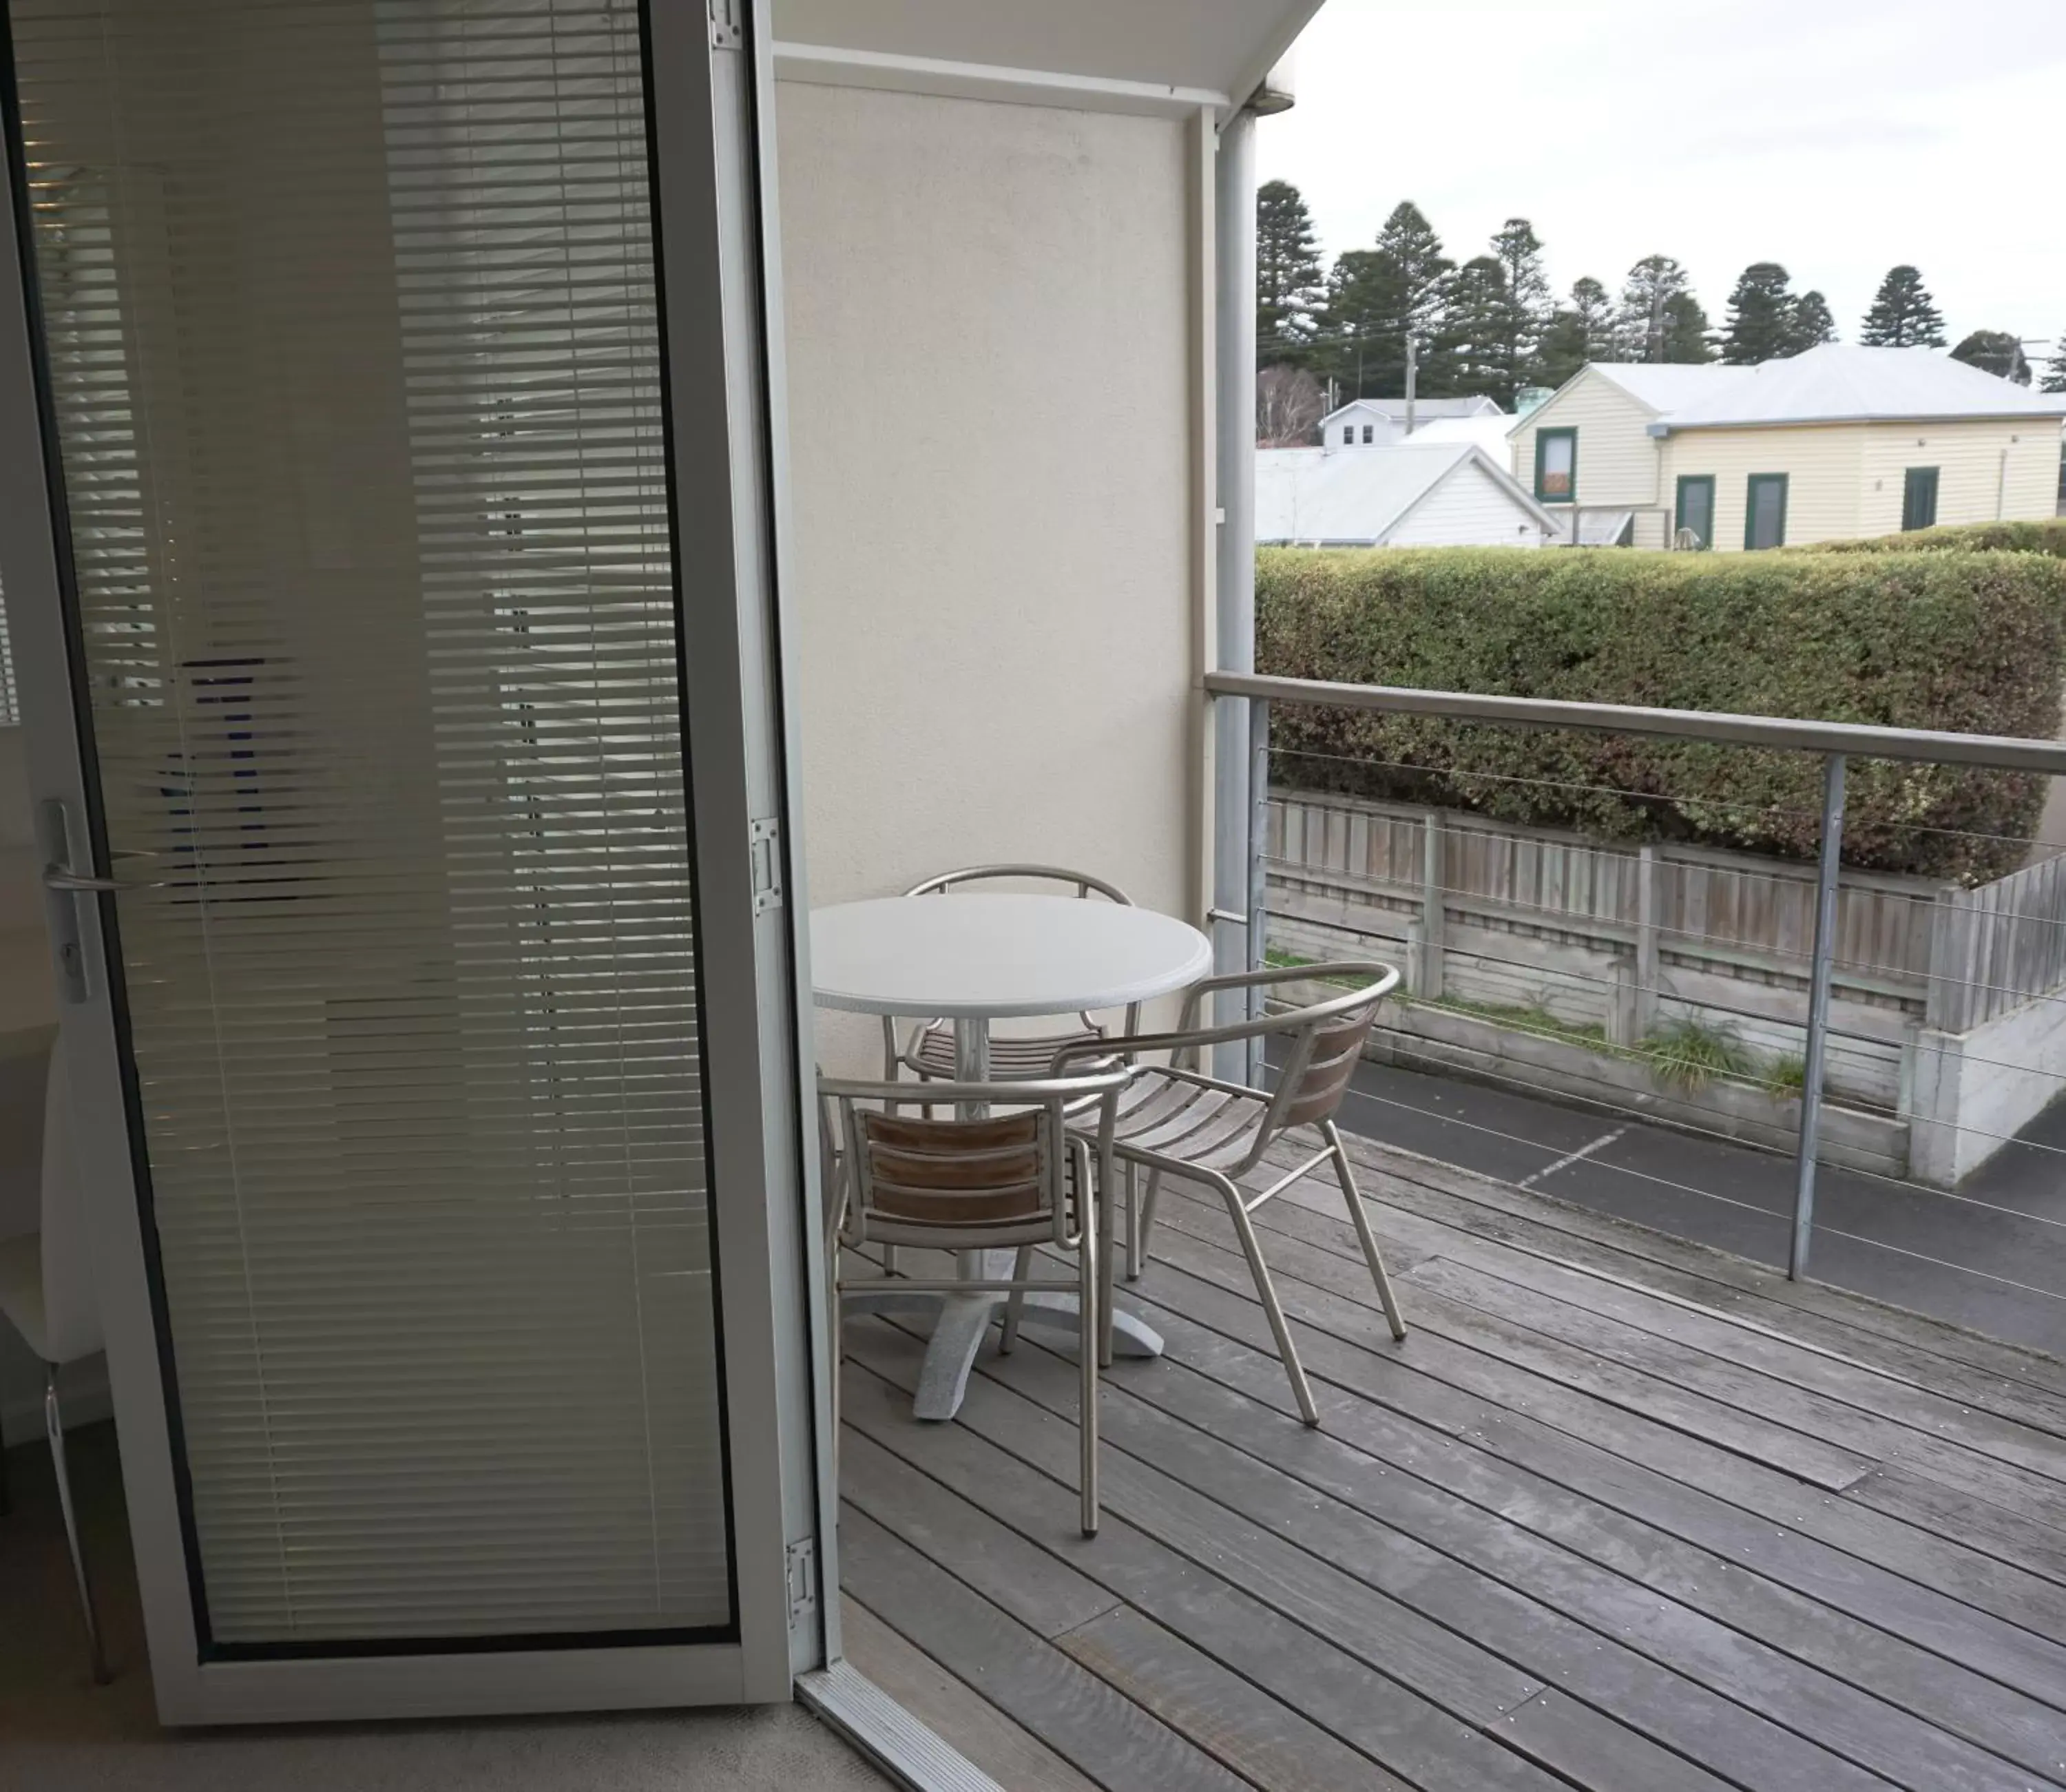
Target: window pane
(1558, 452)
(355, 363)
(1767, 513)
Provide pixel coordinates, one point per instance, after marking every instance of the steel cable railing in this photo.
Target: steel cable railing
(1549, 944)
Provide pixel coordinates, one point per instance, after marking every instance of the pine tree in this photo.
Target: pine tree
(1764, 316)
(1812, 324)
(1375, 297)
(1472, 350)
(1687, 334)
(2055, 369)
(1289, 286)
(1529, 305)
(1641, 328)
(1903, 315)
(1997, 351)
(1576, 333)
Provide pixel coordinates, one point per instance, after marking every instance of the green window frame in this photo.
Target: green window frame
(1756, 483)
(1918, 498)
(1705, 482)
(1544, 475)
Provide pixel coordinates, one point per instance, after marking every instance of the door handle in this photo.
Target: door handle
(55, 877)
(68, 892)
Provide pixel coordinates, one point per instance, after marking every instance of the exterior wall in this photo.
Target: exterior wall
(1468, 508)
(1971, 488)
(1382, 429)
(1975, 1091)
(1617, 460)
(1824, 467)
(995, 640)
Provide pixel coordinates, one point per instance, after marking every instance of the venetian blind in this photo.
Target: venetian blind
(350, 318)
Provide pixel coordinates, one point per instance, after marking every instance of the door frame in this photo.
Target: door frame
(1678, 506)
(1751, 485)
(710, 150)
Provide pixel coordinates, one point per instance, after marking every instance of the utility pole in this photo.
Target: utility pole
(1412, 371)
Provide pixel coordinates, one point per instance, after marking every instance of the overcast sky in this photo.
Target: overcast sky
(1837, 136)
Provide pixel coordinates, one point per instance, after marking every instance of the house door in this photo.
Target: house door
(392, 603)
(1696, 509)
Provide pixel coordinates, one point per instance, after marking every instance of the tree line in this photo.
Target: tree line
(1492, 325)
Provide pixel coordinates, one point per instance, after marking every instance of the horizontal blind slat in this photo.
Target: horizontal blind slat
(352, 331)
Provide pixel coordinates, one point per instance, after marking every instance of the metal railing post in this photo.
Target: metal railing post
(1818, 1011)
(1258, 866)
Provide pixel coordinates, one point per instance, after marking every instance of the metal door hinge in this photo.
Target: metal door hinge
(724, 29)
(764, 844)
(803, 1563)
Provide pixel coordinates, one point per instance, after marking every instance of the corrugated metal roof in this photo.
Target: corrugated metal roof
(1424, 409)
(1835, 382)
(1354, 498)
(1488, 433)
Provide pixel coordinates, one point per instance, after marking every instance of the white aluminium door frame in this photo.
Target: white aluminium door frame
(711, 149)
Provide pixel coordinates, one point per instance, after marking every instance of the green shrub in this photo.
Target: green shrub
(1967, 642)
(2047, 536)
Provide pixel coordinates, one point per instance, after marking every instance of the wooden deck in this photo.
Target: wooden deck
(1623, 1513)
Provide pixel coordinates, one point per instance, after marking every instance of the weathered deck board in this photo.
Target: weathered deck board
(1619, 1514)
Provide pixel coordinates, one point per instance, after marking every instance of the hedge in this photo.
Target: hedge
(1969, 642)
(2047, 536)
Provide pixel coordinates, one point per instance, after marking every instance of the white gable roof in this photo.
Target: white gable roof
(1424, 409)
(1833, 383)
(1487, 432)
(1321, 500)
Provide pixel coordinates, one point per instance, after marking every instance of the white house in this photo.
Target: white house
(1409, 494)
(1373, 422)
(1839, 441)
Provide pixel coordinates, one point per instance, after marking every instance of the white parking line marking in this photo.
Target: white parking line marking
(1604, 1139)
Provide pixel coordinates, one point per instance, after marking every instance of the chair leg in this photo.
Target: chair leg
(1015, 1305)
(54, 1423)
(1133, 1263)
(1350, 1192)
(1090, 1325)
(1279, 1326)
(1143, 1220)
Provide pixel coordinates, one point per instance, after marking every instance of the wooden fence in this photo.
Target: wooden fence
(1998, 947)
(1653, 924)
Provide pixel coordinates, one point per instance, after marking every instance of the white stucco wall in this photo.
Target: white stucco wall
(1974, 1092)
(993, 649)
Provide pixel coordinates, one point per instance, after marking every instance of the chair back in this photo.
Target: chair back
(71, 1299)
(1325, 1053)
(1002, 1169)
(1086, 885)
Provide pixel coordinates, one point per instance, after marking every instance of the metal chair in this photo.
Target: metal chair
(1174, 1121)
(47, 1294)
(927, 1052)
(980, 1181)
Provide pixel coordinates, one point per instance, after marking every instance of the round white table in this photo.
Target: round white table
(973, 959)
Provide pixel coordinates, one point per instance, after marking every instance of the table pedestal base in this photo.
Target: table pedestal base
(964, 1319)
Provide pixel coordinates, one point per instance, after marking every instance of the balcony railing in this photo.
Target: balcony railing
(1923, 1009)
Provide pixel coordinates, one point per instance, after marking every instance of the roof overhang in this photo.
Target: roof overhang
(1671, 426)
(1163, 57)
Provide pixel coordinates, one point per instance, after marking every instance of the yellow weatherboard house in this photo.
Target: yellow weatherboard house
(1838, 441)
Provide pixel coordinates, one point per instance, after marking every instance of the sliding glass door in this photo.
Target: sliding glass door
(414, 730)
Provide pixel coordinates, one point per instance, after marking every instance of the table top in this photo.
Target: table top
(983, 956)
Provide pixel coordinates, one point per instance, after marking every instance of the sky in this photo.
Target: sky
(1836, 136)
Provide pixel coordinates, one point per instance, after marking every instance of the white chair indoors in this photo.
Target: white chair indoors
(928, 1052)
(46, 1293)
